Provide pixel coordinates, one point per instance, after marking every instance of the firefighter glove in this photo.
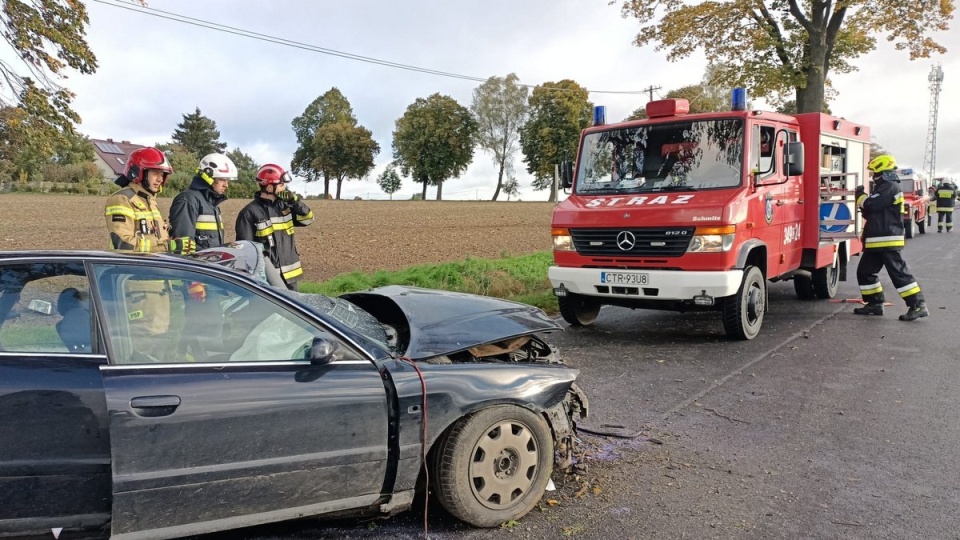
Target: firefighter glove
(288, 196)
(183, 245)
(860, 191)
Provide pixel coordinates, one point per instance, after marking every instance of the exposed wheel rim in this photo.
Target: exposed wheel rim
(755, 305)
(503, 464)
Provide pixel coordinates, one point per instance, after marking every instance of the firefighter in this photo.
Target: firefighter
(270, 220)
(946, 199)
(134, 223)
(932, 205)
(882, 242)
(195, 212)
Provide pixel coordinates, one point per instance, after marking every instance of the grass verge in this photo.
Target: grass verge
(522, 279)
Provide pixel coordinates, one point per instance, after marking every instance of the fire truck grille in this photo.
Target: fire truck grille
(645, 242)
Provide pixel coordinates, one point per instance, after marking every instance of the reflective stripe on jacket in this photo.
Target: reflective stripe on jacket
(272, 224)
(946, 197)
(134, 221)
(195, 213)
(883, 211)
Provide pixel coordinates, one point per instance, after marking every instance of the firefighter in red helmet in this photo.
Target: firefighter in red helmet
(133, 217)
(270, 219)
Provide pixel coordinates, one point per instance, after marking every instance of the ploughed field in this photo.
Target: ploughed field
(345, 236)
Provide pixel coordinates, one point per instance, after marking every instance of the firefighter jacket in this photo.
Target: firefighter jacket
(946, 197)
(134, 221)
(195, 213)
(883, 211)
(272, 222)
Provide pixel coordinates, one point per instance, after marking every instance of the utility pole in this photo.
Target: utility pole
(930, 153)
(650, 89)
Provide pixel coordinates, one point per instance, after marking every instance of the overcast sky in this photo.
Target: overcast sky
(153, 71)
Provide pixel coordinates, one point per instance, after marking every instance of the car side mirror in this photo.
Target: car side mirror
(323, 351)
(794, 157)
(566, 174)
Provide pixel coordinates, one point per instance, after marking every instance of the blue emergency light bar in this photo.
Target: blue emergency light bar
(739, 99)
(599, 115)
(906, 171)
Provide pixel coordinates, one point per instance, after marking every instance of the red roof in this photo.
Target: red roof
(114, 153)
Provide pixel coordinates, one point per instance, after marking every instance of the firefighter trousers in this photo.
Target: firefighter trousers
(871, 262)
(944, 218)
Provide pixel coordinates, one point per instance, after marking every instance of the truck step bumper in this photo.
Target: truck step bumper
(647, 284)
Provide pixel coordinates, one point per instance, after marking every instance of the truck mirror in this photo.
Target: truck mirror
(566, 173)
(794, 158)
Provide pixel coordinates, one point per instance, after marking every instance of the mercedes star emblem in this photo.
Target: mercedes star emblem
(626, 240)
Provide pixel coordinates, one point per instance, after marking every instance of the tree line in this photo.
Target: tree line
(775, 48)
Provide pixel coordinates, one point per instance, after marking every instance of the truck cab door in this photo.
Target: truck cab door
(226, 422)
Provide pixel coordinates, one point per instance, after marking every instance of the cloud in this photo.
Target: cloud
(153, 71)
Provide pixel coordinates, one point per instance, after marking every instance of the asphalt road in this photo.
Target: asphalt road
(827, 425)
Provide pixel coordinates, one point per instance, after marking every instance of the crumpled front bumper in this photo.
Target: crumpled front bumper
(563, 418)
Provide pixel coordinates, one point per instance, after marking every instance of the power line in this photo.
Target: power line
(176, 17)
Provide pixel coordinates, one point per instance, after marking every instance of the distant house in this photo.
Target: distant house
(111, 156)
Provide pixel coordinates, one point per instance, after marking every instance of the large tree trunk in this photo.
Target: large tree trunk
(439, 190)
(326, 186)
(553, 184)
(424, 180)
(499, 182)
(339, 183)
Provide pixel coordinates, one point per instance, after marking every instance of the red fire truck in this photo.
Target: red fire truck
(916, 202)
(694, 212)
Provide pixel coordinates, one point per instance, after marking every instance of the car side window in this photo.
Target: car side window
(45, 308)
(156, 315)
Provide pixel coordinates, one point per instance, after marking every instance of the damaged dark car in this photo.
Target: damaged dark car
(159, 396)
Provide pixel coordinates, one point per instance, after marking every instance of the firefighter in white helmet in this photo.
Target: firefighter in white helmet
(195, 212)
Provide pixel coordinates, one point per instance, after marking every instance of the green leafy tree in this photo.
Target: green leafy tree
(246, 184)
(500, 107)
(73, 149)
(778, 47)
(877, 150)
(558, 112)
(343, 150)
(329, 108)
(49, 37)
(198, 134)
(434, 140)
(389, 181)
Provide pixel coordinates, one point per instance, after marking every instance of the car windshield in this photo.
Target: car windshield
(683, 156)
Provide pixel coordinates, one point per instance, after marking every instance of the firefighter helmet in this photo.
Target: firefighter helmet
(216, 167)
(271, 174)
(882, 163)
(143, 159)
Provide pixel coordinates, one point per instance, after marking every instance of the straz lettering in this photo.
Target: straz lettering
(637, 201)
(791, 233)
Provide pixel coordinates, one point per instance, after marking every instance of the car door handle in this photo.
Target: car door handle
(153, 406)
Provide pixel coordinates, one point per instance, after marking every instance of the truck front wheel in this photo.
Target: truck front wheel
(743, 312)
(578, 310)
(909, 227)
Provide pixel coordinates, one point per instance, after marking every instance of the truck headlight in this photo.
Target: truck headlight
(712, 239)
(562, 241)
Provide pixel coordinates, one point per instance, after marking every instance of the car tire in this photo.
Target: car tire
(826, 281)
(578, 310)
(743, 312)
(803, 286)
(493, 465)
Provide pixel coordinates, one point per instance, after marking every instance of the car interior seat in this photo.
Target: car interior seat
(74, 326)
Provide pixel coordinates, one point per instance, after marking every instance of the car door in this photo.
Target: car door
(217, 417)
(54, 441)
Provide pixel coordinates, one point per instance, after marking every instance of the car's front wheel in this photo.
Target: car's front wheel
(493, 466)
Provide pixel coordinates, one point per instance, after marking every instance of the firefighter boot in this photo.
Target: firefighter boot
(917, 311)
(870, 308)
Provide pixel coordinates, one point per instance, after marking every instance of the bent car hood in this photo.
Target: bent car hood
(443, 322)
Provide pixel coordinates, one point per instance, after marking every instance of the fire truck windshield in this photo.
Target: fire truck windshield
(696, 155)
